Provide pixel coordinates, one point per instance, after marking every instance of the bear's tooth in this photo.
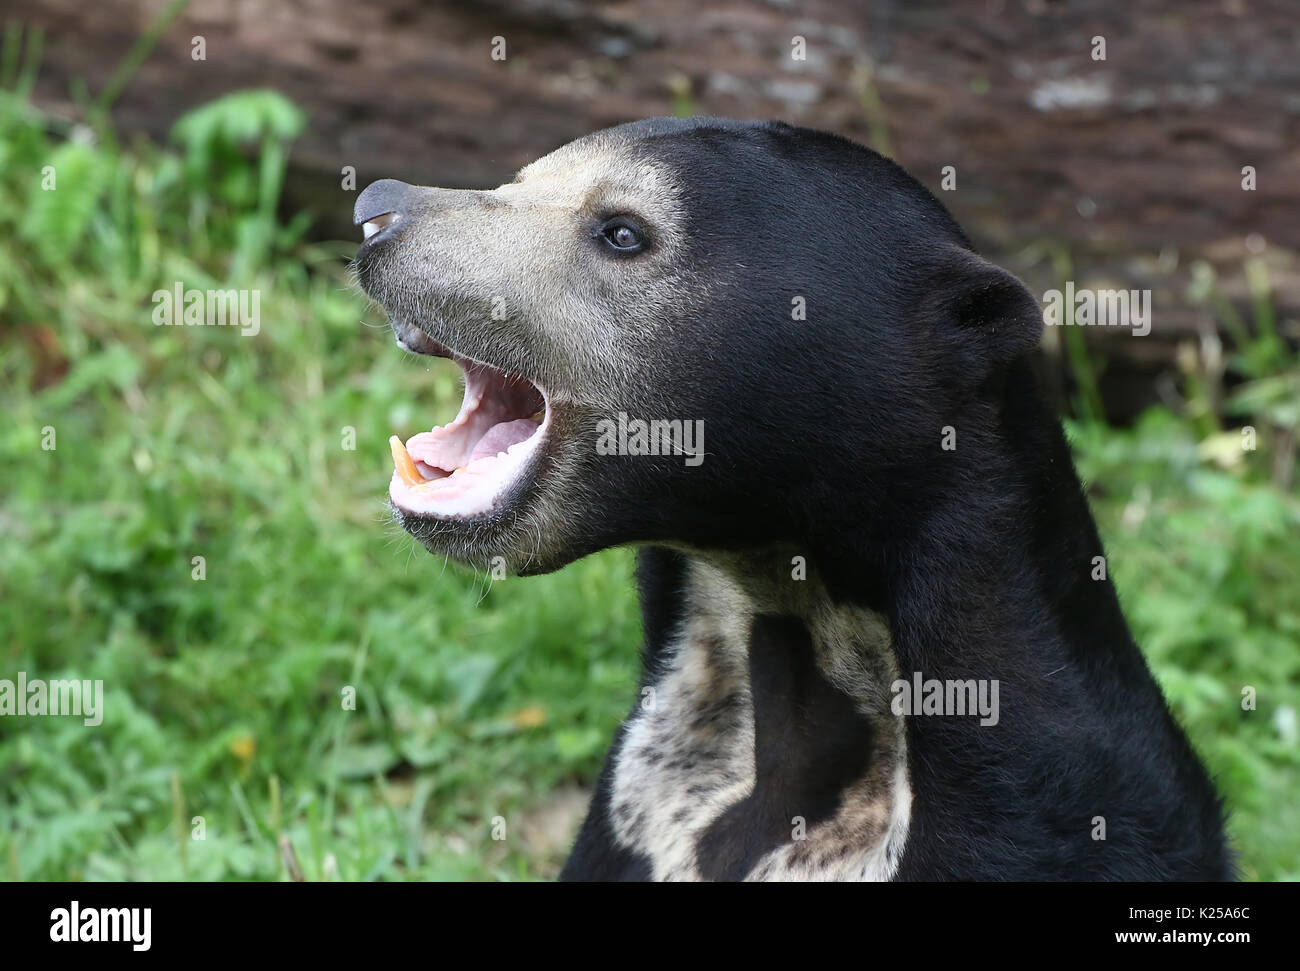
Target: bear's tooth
(402, 462)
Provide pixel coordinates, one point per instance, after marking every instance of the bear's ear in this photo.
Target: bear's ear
(990, 314)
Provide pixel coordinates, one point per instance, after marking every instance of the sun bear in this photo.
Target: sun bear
(875, 644)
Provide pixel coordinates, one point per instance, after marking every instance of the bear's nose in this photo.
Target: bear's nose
(381, 204)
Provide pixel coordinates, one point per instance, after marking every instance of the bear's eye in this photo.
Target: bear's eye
(623, 235)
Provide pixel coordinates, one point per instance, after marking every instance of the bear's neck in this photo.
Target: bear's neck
(999, 586)
(996, 570)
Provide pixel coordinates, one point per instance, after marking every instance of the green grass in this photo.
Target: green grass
(474, 701)
(1207, 567)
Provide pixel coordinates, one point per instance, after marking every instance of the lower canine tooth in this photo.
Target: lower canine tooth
(539, 417)
(403, 463)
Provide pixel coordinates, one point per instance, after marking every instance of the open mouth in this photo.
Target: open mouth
(466, 468)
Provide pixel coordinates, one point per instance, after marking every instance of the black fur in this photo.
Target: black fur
(824, 435)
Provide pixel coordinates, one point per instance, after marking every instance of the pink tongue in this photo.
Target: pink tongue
(501, 437)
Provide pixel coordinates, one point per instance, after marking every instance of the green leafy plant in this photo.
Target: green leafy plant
(217, 139)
